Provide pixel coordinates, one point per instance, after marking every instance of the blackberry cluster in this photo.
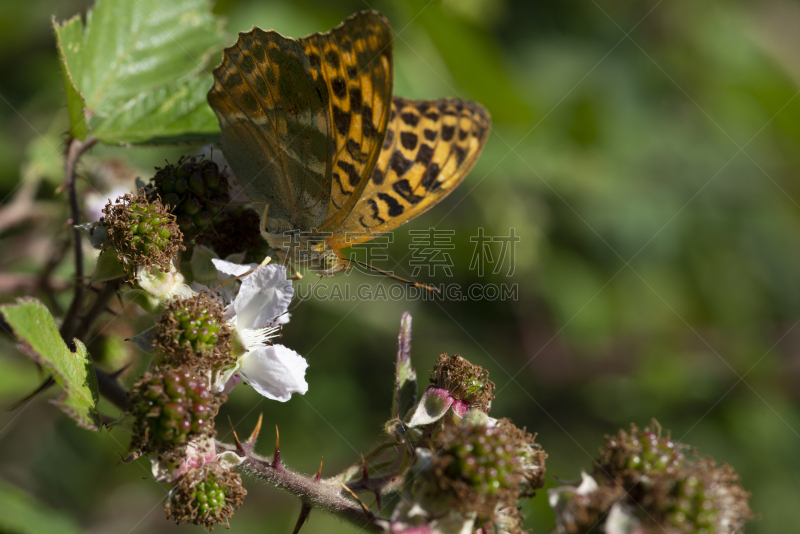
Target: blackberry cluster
(235, 230)
(142, 231)
(199, 330)
(483, 457)
(207, 496)
(480, 468)
(196, 190)
(694, 510)
(171, 407)
(644, 451)
(464, 381)
(193, 332)
(529, 457)
(679, 494)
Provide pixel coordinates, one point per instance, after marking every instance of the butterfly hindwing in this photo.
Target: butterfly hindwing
(275, 121)
(430, 146)
(355, 61)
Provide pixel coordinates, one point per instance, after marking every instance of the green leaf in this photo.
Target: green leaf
(70, 33)
(475, 62)
(38, 337)
(22, 514)
(139, 67)
(176, 113)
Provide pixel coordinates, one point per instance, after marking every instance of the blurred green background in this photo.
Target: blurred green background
(646, 154)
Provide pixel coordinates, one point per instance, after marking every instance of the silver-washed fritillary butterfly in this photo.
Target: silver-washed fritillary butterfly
(310, 128)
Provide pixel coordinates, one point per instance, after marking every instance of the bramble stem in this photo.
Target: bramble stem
(75, 149)
(105, 294)
(112, 390)
(325, 494)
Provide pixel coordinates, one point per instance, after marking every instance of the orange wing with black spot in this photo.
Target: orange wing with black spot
(429, 148)
(355, 62)
(274, 116)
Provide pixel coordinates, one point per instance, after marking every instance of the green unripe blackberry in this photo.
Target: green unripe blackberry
(481, 467)
(678, 494)
(170, 407)
(193, 332)
(644, 451)
(206, 496)
(142, 231)
(529, 457)
(196, 190)
(483, 457)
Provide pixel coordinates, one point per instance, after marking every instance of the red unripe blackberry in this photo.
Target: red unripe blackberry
(170, 407)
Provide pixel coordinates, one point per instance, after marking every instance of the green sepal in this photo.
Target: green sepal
(108, 267)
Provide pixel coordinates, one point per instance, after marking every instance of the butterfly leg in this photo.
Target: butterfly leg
(295, 274)
(263, 263)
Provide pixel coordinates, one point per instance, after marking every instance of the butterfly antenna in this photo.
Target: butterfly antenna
(239, 203)
(394, 276)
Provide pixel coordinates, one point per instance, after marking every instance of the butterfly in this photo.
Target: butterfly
(311, 129)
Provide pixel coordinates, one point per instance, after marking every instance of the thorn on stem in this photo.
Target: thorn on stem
(364, 467)
(254, 435)
(276, 460)
(319, 471)
(359, 501)
(305, 510)
(116, 374)
(239, 447)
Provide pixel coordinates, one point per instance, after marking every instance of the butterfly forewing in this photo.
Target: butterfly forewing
(275, 121)
(355, 62)
(430, 146)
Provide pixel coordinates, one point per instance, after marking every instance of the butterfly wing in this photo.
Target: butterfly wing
(355, 62)
(430, 146)
(275, 121)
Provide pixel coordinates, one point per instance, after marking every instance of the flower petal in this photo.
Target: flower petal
(233, 269)
(264, 296)
(275, 371)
